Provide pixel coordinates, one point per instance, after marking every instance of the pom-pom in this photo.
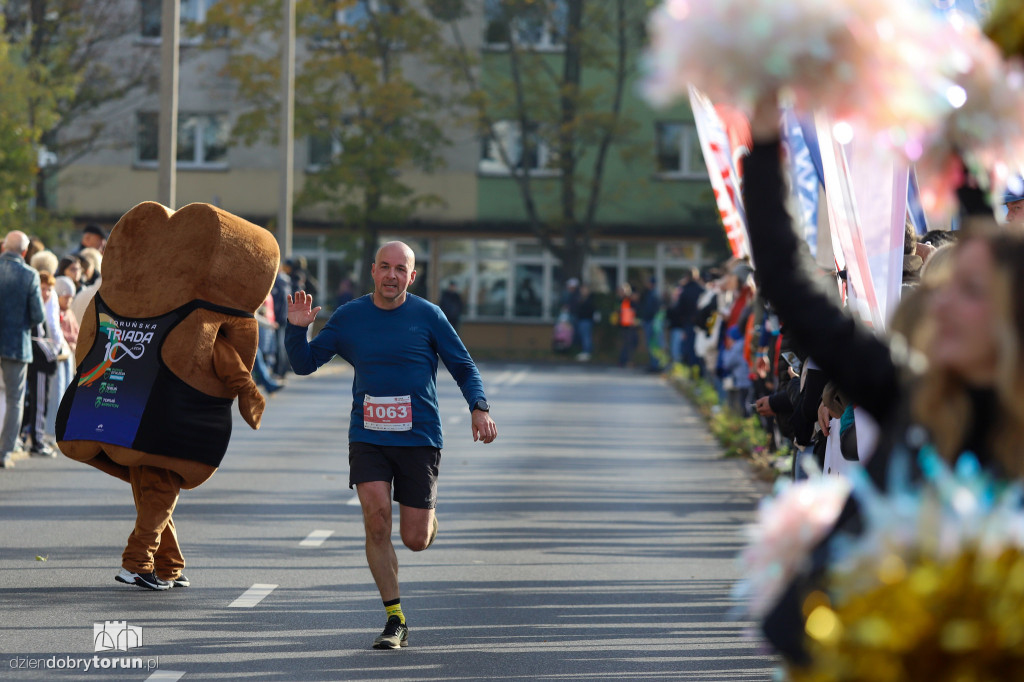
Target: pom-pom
(984, 126)
(866, 60)
(933, 589)
(1005, 26)
(789, 525)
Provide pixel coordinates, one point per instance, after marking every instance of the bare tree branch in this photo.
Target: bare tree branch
(522, 179)
(609, 134)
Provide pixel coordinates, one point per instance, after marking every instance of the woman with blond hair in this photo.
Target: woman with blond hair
(968, 397)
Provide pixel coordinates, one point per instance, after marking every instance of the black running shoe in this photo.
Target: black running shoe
(396, 634)
(147, 580)
(180, 581)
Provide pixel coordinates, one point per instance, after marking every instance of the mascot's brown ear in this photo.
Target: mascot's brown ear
(157, 259)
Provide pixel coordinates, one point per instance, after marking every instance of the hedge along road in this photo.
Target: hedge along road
(594, 540)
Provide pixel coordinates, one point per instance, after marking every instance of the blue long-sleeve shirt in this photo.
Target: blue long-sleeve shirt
(394, 353)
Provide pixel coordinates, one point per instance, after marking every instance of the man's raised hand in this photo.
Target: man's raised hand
(300, 309)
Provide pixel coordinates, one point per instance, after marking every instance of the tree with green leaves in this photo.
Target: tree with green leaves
(355, 93)
(565, 68)
(68, 49)
(18, 139)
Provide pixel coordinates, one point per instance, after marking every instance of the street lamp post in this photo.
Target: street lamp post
(284, 211)
(167, 148)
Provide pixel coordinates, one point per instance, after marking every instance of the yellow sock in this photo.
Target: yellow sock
(394, 608)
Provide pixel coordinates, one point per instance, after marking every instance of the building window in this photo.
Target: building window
(358, 15)
(151, 18)
(528, 152)
(324, 148)
(329, 141)
(518, 280)
(192, 15)
(202, 139)
(456, 266)
(678, 150)
(147, 135)
(331, 25)
(492, 278)
(537, 25)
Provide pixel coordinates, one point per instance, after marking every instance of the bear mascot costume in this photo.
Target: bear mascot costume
(165, 347)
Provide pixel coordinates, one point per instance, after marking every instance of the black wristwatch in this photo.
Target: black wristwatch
(482, 406)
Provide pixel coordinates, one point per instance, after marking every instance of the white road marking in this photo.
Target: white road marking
(502, 377)
(518, 378)
(166, 676)
(354, 502)
(457, 419)
(316, 538)
(253, 596)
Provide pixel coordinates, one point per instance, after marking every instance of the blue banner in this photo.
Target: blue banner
(805, 171)
(914, 208)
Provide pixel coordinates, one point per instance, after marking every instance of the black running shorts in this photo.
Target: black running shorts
(412, 471)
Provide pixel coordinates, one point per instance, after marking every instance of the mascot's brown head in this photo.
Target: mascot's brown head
(168, 342)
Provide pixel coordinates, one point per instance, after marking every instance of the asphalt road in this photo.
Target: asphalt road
(594, 540)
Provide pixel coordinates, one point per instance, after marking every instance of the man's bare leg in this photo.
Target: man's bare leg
(417, 527)
(375, 499)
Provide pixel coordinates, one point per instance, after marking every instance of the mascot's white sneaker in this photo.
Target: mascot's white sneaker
(147, 580)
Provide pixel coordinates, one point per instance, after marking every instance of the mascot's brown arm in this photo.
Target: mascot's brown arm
(237, 374)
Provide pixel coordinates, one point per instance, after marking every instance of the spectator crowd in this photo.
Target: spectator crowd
(714, 322)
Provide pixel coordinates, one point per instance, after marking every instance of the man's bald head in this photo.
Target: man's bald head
(393, 271)
(395, 251)
(16, 241)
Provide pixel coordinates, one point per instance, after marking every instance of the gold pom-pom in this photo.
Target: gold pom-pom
(1005, 26)
(957, 620)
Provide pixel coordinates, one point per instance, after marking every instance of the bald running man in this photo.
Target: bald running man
(393, 339)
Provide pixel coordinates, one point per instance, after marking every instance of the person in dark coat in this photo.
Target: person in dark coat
(647, 311)
(21, 309)
(451, 304)
(682, 317)
(279, 294)
(586, 311)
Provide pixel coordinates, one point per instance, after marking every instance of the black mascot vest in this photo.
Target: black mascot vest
(123, 393)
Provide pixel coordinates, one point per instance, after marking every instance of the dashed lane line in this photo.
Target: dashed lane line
(166, 676)
(316, 538)
(518, 378)
(253, 596)
(501, 378)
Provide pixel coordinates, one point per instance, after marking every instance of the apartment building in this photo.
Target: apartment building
(656, 215)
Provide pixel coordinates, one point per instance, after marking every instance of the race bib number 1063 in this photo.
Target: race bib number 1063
(389, 413)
